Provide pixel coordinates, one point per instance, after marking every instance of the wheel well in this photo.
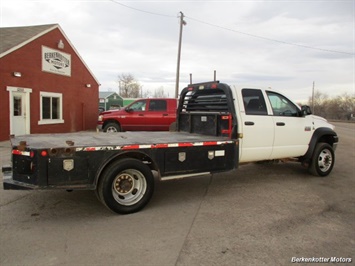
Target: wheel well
(320, 135)
(326, 138)
(110, 121)
(140, 156)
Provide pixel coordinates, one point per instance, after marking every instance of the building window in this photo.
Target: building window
(51, 108)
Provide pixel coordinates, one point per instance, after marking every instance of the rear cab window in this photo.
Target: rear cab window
(254, 102)
(158, 105)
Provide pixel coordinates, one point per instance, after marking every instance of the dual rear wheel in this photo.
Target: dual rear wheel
(126, 186)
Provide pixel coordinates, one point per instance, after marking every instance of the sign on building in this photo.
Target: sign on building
(56, 62)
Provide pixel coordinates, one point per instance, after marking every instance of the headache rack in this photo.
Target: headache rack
(206, 108)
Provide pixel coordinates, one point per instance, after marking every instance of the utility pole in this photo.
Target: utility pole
(182, 23)
(313, 98)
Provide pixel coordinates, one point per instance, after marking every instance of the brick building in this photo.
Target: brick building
(45, 86)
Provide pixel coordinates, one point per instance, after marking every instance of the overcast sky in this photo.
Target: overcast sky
(285, 45)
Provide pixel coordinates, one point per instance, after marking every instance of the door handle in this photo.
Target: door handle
(249, 123)
(280, 124)
(165, 114)
(141, 114)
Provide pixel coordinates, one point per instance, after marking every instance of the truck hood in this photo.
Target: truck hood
(113, 111)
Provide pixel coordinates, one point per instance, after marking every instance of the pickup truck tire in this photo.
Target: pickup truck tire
(126, 186)
(323, 160)
(112, 127)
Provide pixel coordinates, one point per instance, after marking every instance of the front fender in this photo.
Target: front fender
(322, 134)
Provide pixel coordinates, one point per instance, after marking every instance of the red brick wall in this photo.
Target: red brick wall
(80, 104)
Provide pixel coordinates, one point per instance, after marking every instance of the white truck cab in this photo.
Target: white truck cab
(271, 126)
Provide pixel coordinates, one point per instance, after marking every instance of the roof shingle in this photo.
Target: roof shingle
(15, 36)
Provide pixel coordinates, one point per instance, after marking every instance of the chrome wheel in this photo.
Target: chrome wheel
(325, 160)
(322, 160)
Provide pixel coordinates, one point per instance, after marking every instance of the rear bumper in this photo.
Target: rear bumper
(10, 184)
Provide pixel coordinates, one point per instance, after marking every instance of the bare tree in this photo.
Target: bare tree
(318, 100)
(346, 105)
(340, 107)
(160, 93)
(128, 86)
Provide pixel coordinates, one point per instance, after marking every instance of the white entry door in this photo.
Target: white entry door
(19, 110)
(18, 113)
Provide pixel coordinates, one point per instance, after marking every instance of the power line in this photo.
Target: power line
(270, 39)
(144, 11)
(237, 31)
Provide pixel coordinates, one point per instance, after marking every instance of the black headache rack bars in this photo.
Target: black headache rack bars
(207, 108)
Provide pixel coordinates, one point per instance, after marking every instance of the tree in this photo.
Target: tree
(128, 86)
(317, 103)
(340, 107)
(160, 93)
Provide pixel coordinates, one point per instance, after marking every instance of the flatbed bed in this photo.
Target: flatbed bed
(97, 139)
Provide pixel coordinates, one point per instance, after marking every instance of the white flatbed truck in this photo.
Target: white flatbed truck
(218, 127)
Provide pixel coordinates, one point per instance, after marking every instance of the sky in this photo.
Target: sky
(283, 45)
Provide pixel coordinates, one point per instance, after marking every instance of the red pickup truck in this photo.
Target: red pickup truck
(152, 114)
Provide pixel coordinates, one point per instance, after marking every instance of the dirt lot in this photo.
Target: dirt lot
(269, 214)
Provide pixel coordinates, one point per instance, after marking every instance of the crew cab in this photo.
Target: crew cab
(152, 114)
(218, 127)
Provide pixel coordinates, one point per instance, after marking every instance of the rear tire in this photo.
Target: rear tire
(323, 160)
(112, 127)
(126, 186)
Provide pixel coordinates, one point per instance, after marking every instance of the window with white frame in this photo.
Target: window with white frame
(51, 108)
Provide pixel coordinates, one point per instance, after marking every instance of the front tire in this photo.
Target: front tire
(112, 127)
(323, 160)
(126, 186)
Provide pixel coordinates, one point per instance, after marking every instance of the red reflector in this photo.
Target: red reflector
(44, 153)
(32, 154)
(190, 89)
(17, 152)
(214, 86)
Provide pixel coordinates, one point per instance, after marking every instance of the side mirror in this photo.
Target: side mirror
(128, 110)
(306, 110)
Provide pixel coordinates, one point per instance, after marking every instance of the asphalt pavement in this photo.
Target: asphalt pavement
(260, 214)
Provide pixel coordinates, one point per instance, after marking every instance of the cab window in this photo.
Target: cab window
(138, 106)
(281, 106)
(254, 102)
(157, 105)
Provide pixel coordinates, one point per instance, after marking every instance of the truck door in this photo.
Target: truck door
(135, 118)
(257, 127)
(157, 117)
(292, 130)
